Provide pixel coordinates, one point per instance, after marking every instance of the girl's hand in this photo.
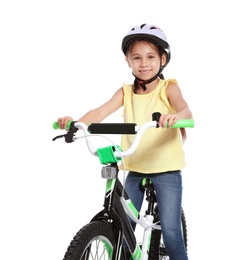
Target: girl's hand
(62, 121)
(168, 120)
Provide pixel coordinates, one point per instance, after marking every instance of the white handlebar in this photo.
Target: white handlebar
(137, 139)
(90, 146)
(139, 132)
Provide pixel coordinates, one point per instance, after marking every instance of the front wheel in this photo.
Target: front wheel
(94, 241)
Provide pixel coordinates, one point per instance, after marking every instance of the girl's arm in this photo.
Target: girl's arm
(98, 114)
(175, 97)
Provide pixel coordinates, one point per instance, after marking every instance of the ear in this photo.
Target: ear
(127, 60)
(163, 60)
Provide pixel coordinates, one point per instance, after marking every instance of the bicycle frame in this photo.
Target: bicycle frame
(117, 208)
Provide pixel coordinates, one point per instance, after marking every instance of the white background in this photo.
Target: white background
(62, 58)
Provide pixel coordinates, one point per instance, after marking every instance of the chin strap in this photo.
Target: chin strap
(141, 83)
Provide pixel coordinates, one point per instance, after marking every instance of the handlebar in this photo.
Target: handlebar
(130, 128)
(123, 128)
(116, 128)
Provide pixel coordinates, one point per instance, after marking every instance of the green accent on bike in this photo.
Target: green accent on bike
(121, 249)
(134, 210)
(110, 184)
(106, 154)
(56, 125)
(149, 241)
(109, 249)
(182, 123)
(144, 180)
(137, 255)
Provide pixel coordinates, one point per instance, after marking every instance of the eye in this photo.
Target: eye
(136, 58)
(151, 57)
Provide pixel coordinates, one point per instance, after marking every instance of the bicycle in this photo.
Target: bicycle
(107, 233)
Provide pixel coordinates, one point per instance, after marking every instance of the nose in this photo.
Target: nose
(143, 63)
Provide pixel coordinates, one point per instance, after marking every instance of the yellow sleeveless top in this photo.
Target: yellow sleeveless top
(159, 150)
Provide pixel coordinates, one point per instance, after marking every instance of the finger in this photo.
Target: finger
(60, 122)
(66, 120)
(163, 121)
(172, 121)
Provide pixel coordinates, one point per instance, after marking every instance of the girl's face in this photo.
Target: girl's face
(144, 59)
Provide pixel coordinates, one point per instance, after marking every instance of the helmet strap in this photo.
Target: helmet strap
(141, 83)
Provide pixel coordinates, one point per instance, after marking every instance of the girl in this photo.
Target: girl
(160, 154)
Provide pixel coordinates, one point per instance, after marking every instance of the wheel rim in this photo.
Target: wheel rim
(100, 248)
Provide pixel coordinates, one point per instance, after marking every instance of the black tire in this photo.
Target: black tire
(157, 247)
(96, 240)
(184, 228)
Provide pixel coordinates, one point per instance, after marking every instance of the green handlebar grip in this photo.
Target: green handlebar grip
(56, 126)
(182, 123)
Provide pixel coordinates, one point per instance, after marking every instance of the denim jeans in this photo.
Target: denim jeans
(168, 187)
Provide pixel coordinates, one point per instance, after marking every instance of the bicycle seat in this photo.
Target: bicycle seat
(147, 184)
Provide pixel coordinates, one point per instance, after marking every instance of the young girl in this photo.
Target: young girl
(160, 154)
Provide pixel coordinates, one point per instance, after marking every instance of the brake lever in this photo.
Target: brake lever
(69, 136)
(57, 137)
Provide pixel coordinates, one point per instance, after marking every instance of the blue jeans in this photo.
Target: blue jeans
(168, 187)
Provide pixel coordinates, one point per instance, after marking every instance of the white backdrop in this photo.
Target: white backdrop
(63, 58)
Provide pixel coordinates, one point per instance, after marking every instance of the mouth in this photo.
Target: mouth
(145, 71)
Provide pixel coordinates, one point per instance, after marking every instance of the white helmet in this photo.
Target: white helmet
(151, 33)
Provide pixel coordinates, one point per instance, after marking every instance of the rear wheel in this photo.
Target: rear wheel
(94, 241)
(184, 228)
